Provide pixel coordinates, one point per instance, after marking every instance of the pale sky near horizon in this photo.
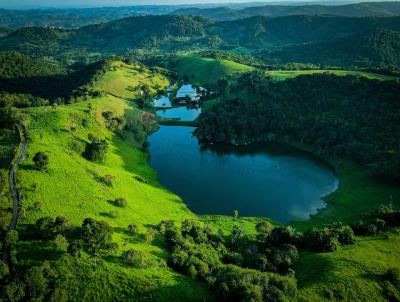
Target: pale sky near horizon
(97, 3)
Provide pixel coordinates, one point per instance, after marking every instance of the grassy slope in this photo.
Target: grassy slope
(201, 70)
(71, 190)
(288, 74)
(206, 70)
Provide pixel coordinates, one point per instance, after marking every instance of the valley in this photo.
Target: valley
(180, 157)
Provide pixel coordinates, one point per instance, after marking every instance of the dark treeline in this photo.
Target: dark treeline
(340, 116)
(26, 81)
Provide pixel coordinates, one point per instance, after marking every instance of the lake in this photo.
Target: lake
(269, 180)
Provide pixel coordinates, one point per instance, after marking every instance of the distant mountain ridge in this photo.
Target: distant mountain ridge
(79, 17)
(363, 9)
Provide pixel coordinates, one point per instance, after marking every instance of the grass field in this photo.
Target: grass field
(202, 70)
(288, 74)
(124, 81)
(71, 188)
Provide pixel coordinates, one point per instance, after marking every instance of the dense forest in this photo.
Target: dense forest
(340, 116)
(380, 47)
(26, 81)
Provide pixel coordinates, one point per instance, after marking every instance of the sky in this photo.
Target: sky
(97, 3)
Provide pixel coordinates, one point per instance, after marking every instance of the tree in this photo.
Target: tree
(97, 234)
(41, 161)
(74, 249)
(96, 150)
(235, 214)
(135, 258)
(222, 86)
(150, 235)
(133, 228)
(35, 283)
(45, 227)
(11, 238)
(120, 202)
(15, 291)
(4, 271)
(61, 243)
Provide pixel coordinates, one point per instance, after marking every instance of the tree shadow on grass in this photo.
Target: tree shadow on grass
(36, 251)
(312, 268)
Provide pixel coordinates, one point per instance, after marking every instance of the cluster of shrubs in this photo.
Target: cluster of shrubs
(96, 150)
(382, 219)
(237, 267)
(114, 123)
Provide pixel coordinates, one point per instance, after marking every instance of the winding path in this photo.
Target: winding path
(14, 192)
(12, 180)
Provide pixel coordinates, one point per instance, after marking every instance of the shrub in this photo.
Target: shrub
(166, 225)
(41, 161)
(134, 258)
(4, 271)
(323, 240)
(132, 228)
(96, 150)
(280, 235)
(45, 228)
(61, 243)
(97, 234)
(283, 257)
(236, 284)
(11, 238)
(120, 202)
(74, 249)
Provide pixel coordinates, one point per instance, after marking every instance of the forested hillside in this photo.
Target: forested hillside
(27, 81)
(380, 47)
(359, 121)
(315, 39)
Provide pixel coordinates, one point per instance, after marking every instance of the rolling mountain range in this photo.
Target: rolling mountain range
(78, 17)
(363, 9)
(292, 38)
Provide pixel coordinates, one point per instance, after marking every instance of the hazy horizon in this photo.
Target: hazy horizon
(29, 4)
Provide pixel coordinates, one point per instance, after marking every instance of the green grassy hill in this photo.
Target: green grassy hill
(202, 70)
(73, 188)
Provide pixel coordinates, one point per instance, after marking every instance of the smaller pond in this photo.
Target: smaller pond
(163, 101)
(180, 113)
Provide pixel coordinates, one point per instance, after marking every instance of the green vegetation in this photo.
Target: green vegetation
(202, 70)
(76, 188)
(363, 126)
(289, 74)
(95, 225)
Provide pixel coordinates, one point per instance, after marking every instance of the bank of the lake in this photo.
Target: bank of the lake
(264, 180)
